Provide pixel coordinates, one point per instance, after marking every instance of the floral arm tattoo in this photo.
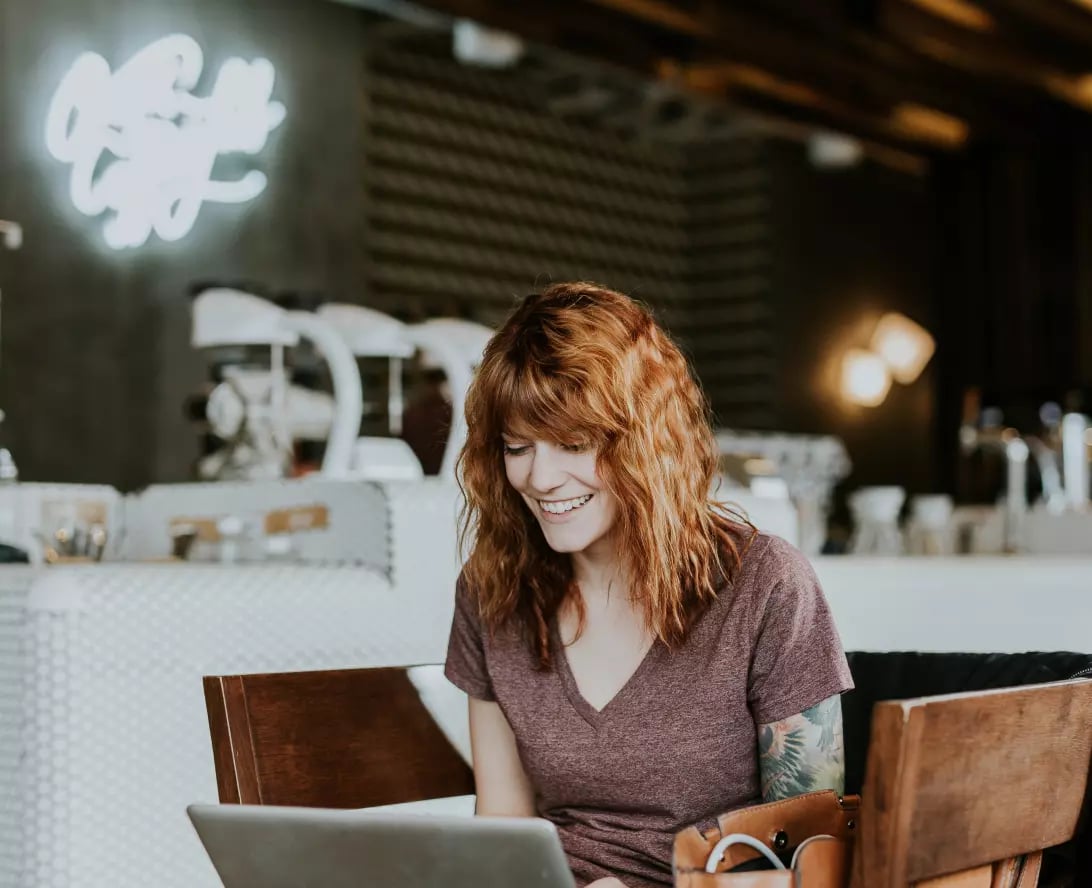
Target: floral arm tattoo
(803, 753)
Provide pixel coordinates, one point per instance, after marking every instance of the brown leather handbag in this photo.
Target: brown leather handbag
(810, 836)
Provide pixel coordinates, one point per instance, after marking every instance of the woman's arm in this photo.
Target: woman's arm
(803, 753)
(502, 785)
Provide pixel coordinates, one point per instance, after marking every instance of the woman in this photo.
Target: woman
(636, 660)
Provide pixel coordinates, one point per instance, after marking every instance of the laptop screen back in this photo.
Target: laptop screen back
(276, 847)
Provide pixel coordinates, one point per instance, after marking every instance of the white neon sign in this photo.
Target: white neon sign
(143, 146)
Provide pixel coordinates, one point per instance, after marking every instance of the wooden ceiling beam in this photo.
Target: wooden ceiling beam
(1060, 21)
(852, 66)
(1011, 76)
(573, 26)
(1003, 56)
(894, 72)
(989, 53)
(760, 91)
(736, 35)
(918, 56)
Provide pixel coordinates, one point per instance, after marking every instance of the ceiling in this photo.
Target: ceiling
(911, 78)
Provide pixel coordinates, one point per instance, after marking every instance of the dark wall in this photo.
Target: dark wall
(730, 274)
(1014, 226)
(849, 245)
(403, 180)
(477, 194)
(96, 360)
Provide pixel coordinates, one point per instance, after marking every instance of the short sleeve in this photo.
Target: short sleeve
(465, 667)
(797, 660)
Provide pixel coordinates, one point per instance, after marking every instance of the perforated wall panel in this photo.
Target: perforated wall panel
(478, 193)
(113, 738)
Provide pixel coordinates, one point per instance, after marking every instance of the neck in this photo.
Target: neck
(598, 571)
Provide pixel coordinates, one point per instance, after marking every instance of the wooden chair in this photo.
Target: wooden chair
(954, 784)
(336, 739)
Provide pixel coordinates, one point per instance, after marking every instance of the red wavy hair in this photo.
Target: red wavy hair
(582, 360)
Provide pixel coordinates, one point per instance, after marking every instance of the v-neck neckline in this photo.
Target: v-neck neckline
(596, 717)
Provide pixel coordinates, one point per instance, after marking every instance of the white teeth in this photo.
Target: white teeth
(563, 506)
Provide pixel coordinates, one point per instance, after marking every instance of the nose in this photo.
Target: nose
(547, 473)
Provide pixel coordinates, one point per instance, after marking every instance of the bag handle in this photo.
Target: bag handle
(802, 846)
(717, 854)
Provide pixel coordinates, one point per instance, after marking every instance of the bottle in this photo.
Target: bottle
(9, 472)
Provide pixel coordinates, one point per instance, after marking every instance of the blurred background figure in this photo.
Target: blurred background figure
(426, 421)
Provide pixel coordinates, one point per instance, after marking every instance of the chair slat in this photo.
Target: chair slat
(335, 739)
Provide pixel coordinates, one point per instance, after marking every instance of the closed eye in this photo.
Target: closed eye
(580, 447)
(516, 449)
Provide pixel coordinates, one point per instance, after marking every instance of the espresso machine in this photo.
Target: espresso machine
(453, 345)
(253, 408)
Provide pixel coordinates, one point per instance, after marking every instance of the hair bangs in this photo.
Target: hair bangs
(534, 403)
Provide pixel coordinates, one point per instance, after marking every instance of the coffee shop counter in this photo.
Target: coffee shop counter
(103, 729)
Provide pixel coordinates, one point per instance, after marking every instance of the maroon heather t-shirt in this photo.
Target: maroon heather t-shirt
(678, 744)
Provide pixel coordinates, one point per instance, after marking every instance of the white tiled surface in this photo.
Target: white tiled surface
(15, 583)
(112, 740)
(103, 731)
(424, 555)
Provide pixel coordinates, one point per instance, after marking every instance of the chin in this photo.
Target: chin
(565, 546)
(568, 544)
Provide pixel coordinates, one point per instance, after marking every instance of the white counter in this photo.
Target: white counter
(974, 604)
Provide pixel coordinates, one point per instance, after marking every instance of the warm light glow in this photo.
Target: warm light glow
(904, 345)
(1075, 90)
(143, 146)
(865, 378)
(958, 12)
(928, 123)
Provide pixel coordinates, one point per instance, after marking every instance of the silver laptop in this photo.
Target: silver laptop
(261, 846)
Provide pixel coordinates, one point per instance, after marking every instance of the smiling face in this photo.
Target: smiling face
(561, 486)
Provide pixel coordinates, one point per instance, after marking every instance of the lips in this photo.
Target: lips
(563, 507)
(567, 512)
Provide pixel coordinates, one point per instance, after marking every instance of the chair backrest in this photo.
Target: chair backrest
(900, 675)
(960, 781)
(348, 738)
